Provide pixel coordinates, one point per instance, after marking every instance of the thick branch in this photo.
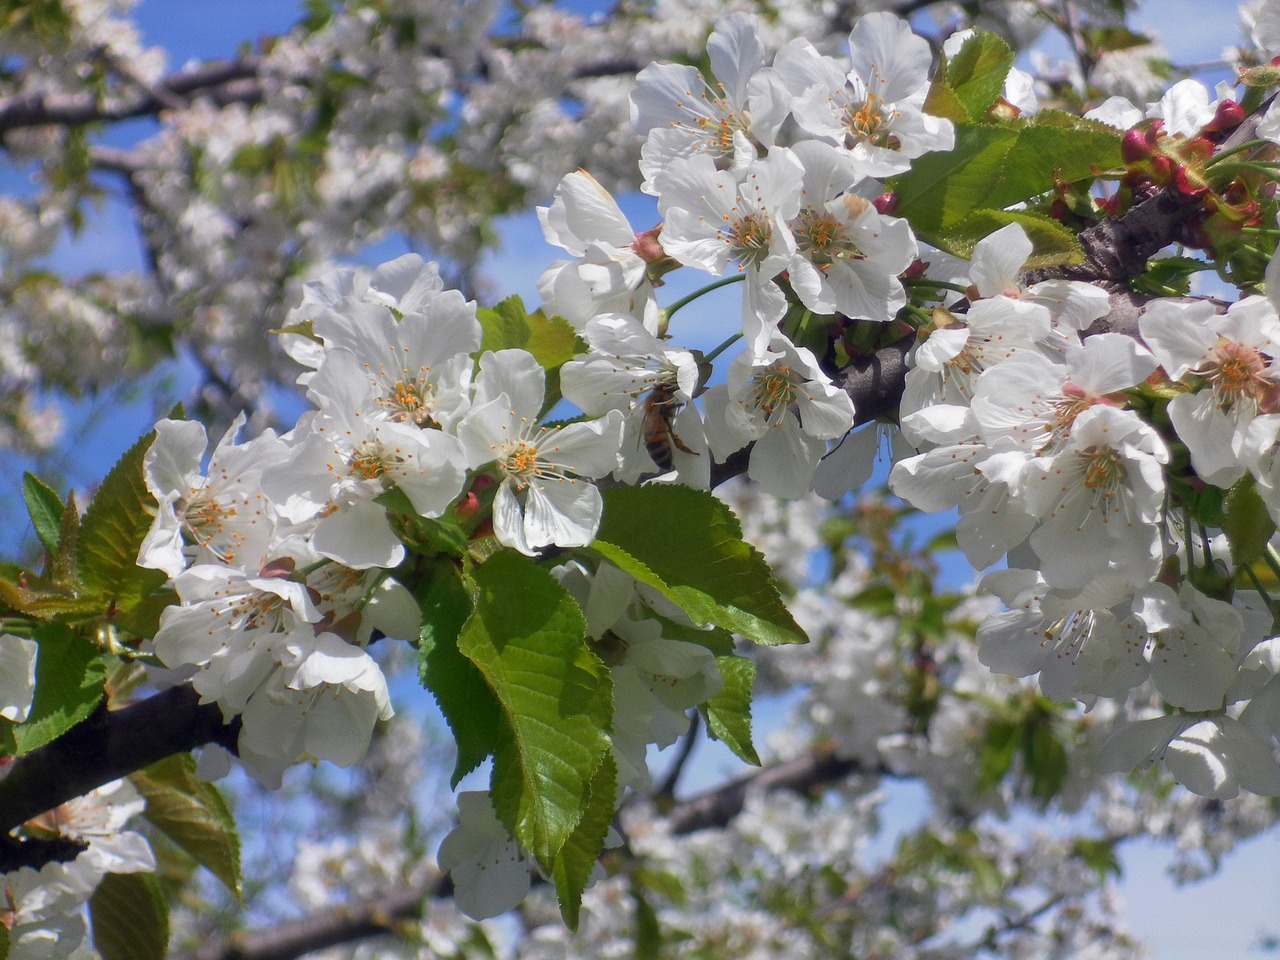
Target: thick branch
(109, 745)
(329, 928)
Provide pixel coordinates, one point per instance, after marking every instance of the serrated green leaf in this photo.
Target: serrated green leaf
(192, 814)
(577, 858)
(130, 917)
(688, 545)
(943, 102)
(48, 600)
(69, 686)
(62, 566)
(728, 713)
(112, 531)
(45, 508)
(972, 80)
(504, 326)
(528, 637)
(552, 340)
(1247, 523)
(468, 705)
(994, 166)
(1053, 245)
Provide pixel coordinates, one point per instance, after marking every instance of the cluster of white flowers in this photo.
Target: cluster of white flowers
(1062, 451)
(44, 909)
(1034, 436)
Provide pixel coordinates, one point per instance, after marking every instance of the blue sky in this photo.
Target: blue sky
(1219, 919)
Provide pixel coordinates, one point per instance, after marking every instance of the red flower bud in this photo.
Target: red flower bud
(1135, 147)
(886, 204)
(1228, 116)
(647, 246)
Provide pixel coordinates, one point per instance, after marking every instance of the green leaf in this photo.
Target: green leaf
(1247, 524)
(973, 78)
(688, 545)
(45, 508)
(994, 166)
(648, 928)
(999, 746)
(728, 713)
(69, 683)
(577, 858)
(1053, 245)
(504, 326)
(1099, 855)
(1046, 759)
(113, 529)
(468, 705)
(4, 942)
(192, 814)
(528, 637)
(552, 341)
(130, 917)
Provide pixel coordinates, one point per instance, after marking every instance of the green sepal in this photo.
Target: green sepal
(432, 535)
(1247, 523)
(113, 529)
(130, 917)
(468, 705)
(728, 713)
(688, 545)
(527, 636)
(193, 814)
(70, 674)
(578, 857)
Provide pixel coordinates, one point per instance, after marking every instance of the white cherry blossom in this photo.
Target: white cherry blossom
(219, 517)
(874, 110)
(713, 222)
(787, 406)
(684, 115)
(17, 676)
(1231, 360)
(848, 256)
(1098, 499)
(544, 496)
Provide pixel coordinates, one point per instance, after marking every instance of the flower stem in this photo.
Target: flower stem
(722, 348)
(683, 301)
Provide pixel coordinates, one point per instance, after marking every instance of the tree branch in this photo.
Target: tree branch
(108, 745)
(345, 924)
(222, 81)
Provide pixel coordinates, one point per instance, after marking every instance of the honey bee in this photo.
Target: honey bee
(656, 432)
